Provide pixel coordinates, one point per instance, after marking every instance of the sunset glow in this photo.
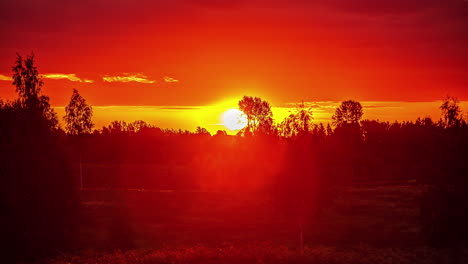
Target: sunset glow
(234, 131)
(318, 51)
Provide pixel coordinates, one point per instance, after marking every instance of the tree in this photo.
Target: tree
(348, 136)
(202, 131)
(319, 131)
(298, 122)
(259, 115)
(26, 79)
(28, 85)
(329, 130)
(221, 133)
(39, 200)
(117, 127)
(78, 121)
(349, 112)
(451, 112)
(78, 115)
(124, 127)
(137, 126)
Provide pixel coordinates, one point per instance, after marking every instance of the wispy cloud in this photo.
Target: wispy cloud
(71, 77)
(169, 79)
(129, 77)
(4, 77)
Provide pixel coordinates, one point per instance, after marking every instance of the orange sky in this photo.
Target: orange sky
(201, 52)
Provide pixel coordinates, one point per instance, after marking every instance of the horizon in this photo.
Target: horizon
(209, 116)
(188, 117)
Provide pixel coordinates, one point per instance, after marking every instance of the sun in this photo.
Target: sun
(234, 119)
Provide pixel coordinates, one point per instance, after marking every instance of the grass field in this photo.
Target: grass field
(367, 224)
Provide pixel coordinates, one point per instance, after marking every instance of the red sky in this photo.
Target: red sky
(284, 51)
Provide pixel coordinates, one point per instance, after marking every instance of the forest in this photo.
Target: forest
(48, 169)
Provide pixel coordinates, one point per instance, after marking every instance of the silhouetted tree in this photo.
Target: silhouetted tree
(348, 139)
(78, 115)
(451, 112)
(259, 115)
(221, 133)
(78, 121)
(28, 85)
(27, 80)
(137, 126)
(329, 130)
(117, 127)
(349, 112)
(202, 131)
(301, 186)
(444, 204)
(298, 122)
(319, 131)
(38, 202)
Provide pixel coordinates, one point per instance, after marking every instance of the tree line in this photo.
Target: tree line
(297, 161)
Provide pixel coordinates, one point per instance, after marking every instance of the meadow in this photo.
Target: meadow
(366, 223)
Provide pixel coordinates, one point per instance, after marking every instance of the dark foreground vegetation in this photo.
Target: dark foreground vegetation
(268, 253)
(277, 192)
(367, 224)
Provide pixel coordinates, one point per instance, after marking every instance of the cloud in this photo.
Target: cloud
(127, 77)
(71, 77)
(4, 78)
(169, 79)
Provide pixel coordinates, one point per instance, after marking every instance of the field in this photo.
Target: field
(365, 224)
